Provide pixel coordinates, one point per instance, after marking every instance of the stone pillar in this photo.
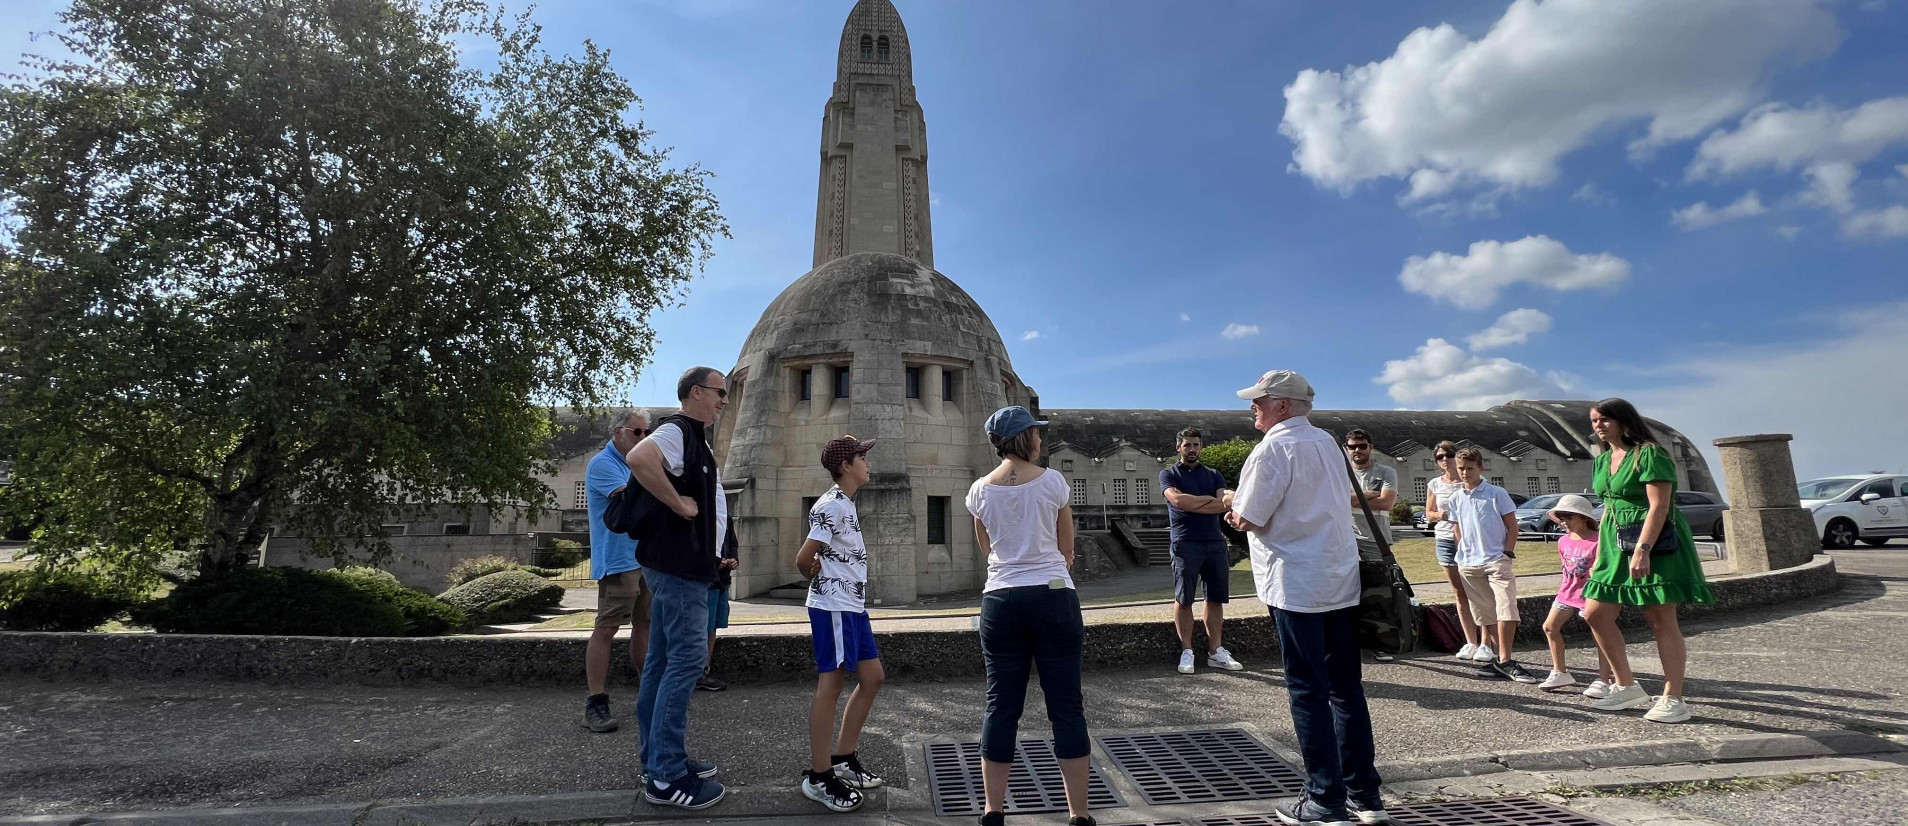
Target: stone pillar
(1766, 527)
(886, 508)
(931, 389)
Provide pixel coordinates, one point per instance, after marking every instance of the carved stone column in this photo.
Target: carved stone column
(1766, 527)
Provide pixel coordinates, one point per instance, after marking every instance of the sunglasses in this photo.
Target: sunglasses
(639, 431)
(1442, 456)
(1358, 447)
(720, 392)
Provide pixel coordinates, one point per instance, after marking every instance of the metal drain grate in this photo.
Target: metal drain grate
(1201, 766)
(1034, 785)
(1510, 811)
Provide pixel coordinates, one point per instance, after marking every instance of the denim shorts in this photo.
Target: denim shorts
(1196, 562)
(1447, 552)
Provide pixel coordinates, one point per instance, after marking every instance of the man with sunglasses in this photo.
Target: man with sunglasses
(621, 596)
(1377, 488)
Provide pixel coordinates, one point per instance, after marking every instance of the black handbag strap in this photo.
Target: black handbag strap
(1378, 536)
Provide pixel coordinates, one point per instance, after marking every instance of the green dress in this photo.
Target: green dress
(1674, 578)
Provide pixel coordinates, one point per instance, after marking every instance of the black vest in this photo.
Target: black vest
(670, 543)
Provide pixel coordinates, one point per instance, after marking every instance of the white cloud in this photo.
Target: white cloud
(1238, 331)
(1444, 111)
(1441, 375)
(1887, 223)
(1030, 335)
(1592, 194)
(1699, 215)
(1784, 138)
(1472, 281)
(1185, 316)
(1789, 233)
(1804, 389)
(1514, 327)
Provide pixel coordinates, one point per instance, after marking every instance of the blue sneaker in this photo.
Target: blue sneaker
(701, 769)
(688, 792)
(1303, 812)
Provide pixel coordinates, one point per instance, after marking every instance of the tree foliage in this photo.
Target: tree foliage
(1227, 457)
(286, 263)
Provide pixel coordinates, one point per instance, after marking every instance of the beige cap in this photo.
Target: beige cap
(1280, 384)
(1579, 505)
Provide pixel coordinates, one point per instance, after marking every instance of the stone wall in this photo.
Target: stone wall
(417, 561)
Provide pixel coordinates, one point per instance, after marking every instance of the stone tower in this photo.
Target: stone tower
(873, 193)
(871, 342)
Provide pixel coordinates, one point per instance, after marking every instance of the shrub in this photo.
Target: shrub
(563, 553)
(297, 602)
(1401, 513)
(478, 566)
(58, 600)
(1227, 457)
(368, 575)
(505, 596)
(546, 573)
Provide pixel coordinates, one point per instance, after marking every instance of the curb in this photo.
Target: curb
(478, 661)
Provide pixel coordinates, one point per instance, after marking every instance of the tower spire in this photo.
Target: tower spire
(873, 192)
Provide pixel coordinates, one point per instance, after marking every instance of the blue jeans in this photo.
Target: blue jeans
(1021, 629)
(678, 651)
(1327, 692)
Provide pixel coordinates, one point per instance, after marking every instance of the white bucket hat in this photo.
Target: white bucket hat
(1573, 503)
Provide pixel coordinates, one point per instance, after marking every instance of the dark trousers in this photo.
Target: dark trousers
(1021, 629)
(1327, 691)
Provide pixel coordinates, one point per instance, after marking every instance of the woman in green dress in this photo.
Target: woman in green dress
(1653, 566)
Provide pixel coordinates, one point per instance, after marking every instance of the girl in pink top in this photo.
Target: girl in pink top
(1578, 551)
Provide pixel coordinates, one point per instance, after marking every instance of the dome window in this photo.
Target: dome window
(867, 47)
(881, 49)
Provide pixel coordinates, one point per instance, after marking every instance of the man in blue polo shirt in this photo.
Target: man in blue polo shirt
(621, 594)
(1196, 499)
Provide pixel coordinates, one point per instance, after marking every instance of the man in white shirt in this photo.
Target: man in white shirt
(1291, 505)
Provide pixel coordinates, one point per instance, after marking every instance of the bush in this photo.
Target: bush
(1227, 457)
(478, 566)
(506, 596)
(1401, 513)
(293, 601)
(59, 600)
(368, 575)
(562, 553)
(546, 573)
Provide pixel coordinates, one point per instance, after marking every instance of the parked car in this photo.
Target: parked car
(1870, 508)
(1533, 516)
(1423, 525)
(1703, 511)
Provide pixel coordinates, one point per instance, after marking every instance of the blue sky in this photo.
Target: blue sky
(1426, 205)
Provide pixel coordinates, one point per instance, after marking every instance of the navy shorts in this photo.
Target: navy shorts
(842, 638)
(1196, 562)
(1447, 552)
(718, 609)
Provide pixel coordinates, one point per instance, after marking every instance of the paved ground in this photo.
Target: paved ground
(1854, 799)
(1827, 663)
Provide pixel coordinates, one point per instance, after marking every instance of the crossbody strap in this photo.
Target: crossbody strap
(1378, 536)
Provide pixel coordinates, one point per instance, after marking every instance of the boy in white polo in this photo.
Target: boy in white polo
(1486, 527)
(836, 562)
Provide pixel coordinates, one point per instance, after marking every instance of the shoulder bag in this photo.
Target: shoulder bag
(1387, 608)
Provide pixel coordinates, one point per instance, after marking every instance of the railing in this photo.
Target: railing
(1711, 550)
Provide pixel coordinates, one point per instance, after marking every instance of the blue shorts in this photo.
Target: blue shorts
(718, 609)
(842, 639)
(1196, 562)
(1447, 552)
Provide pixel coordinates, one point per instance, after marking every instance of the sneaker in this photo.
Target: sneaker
(1489, 671)
(1303, 812)
(1082, 820)
(699, 768)
(1383, 657)
(1223, 659)
(1623, 697)
(1484, 654)
(1467, 652)
(688, 792)
(596, 714)
(708, 683)
(848, 767)
(1598, 689)
(1557, 680)
(993, 819)
(1667, 710)
(827, 789)
(1374, 813)
(1185, 661)
(1515, 671)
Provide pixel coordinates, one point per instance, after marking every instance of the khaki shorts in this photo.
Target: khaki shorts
(621, 598)
(1492, 590)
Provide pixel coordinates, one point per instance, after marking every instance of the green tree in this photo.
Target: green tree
(1227, 457)
(286, 263)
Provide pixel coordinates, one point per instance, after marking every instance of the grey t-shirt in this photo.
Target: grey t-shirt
(1374, 478)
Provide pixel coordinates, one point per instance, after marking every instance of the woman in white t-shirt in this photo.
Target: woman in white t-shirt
(1030, 614)
(1436, 512)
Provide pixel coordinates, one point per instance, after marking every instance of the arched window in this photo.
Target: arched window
(867, 47)
(881, 49)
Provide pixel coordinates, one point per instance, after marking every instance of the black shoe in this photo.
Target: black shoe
(1490, 671)
(1371, 813)
(699, 768)
(848, 767)
(708, 683)
(1383, 657)
(1512, 670)
(688, 792)
(596, 714)
(827, 789)
(993, 819)
(1082, 820)
(1303, 812)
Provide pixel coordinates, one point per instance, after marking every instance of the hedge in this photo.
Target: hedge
(293, 601)
(60, 600)
(478, 566)
(505, 596)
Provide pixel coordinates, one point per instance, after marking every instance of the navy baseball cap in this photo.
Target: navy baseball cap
(1008, 422)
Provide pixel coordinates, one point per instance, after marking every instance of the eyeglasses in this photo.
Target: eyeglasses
(720, 392)
(1358, 447)
(1443, 456)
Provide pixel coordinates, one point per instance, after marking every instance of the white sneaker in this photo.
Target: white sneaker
(1668, 710)
(1468, 651)
(1223, 659)
(1557, 680)
(1597, 690)
(1623, 697)
(1484, 654)
(1185, 661)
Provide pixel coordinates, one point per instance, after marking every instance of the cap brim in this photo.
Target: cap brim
(865, 445)
(1039, 424)
(1251, 393)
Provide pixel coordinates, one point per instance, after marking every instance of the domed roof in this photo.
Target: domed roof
(876, 296)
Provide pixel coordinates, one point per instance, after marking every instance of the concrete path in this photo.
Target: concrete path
(1825, 664)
